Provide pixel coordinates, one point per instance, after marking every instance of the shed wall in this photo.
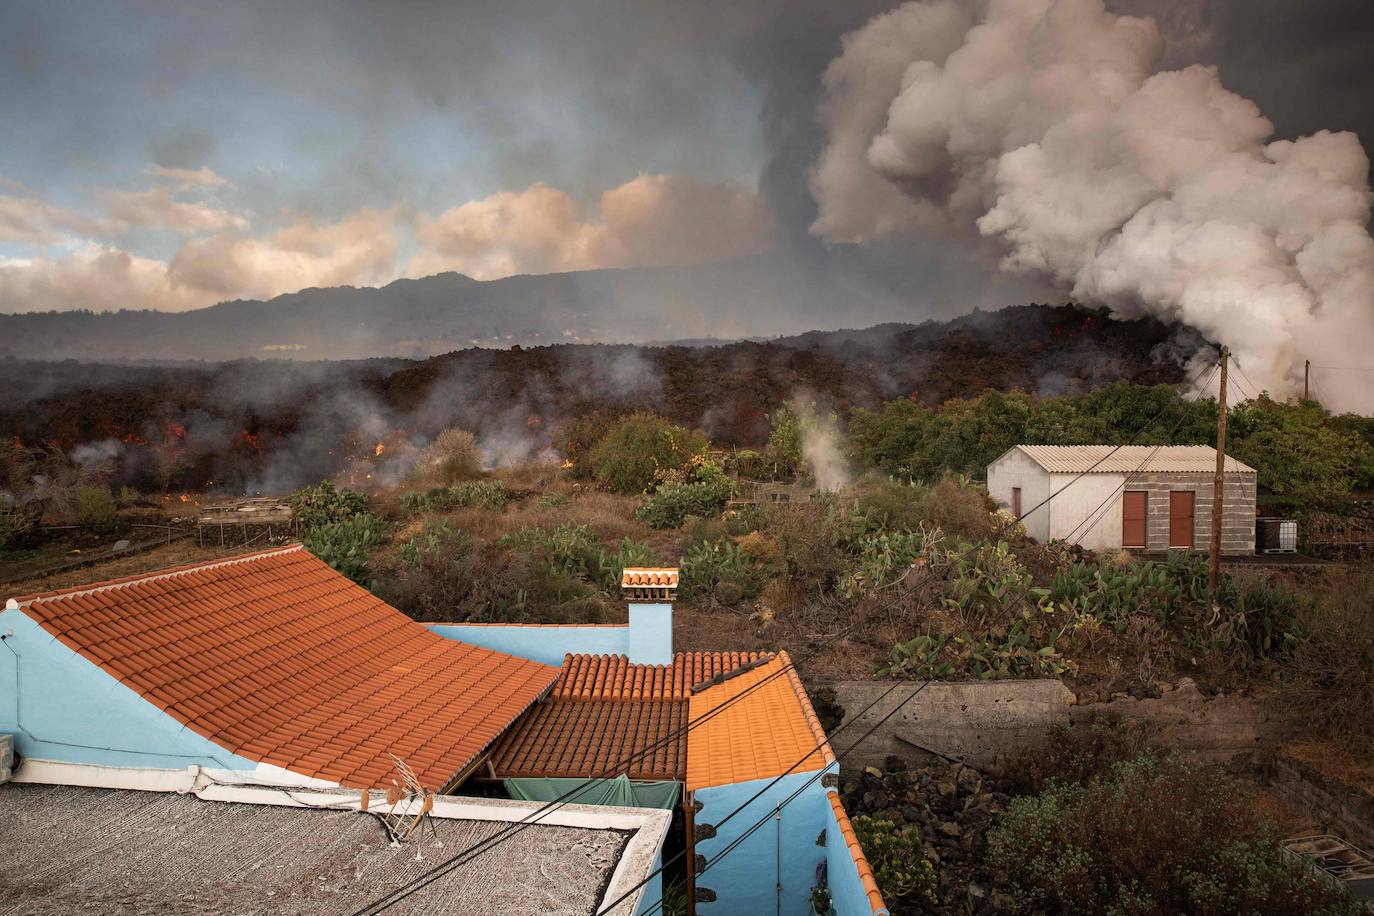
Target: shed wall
(1087, 509)
(1237, 517)
(1015, 469)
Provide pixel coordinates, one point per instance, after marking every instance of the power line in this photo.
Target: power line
(787, 801)
(1346, 368)
(1094, 514)
(477, 849)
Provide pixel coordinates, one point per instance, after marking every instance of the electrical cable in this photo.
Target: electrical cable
(1094, 514)
(819, 774)
(501, 836)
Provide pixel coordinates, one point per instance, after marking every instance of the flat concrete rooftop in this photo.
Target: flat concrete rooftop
(73, 849)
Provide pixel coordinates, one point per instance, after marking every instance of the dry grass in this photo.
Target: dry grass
(178, 553)
(1332, 759)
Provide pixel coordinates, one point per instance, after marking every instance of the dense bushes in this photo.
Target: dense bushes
(1330, 675)
(323, 504)
(905, 877)
(347, 545)
(95, 507)
(1304, 455)
(703, 493)
(636, 451)
(577, 551)
(1152, 835)
(482, 494)
(1075, 753)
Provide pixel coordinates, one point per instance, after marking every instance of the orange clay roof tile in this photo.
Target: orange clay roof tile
(769, 731)
(654, 577)
(605, 713)
(851, 842)
(277, 657)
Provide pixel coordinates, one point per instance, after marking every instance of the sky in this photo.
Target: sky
(172, 155)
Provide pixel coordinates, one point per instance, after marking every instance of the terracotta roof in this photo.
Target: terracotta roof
(765, 734)
(578, 738)
(870, 886)
(278, 658)
(649, 577)
(1130, 459)
(601, 677)
(604, 711)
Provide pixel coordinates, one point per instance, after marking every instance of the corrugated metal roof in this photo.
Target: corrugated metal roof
(1130, 459)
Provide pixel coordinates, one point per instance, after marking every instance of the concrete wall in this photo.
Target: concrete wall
(1337, 808)
(981, 721)
(647, 639)
(745, 880)
(984, 722)
(1015, 469)
(1238, 510)
(847, 894)
(59, 706)
(1087, 509)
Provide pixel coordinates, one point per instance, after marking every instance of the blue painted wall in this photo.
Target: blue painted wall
(539, 643)
(59, 706)
(651, 633)
(847, 894)
(744, 880)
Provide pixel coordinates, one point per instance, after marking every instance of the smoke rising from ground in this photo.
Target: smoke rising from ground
(1046, 127)
(822, 446)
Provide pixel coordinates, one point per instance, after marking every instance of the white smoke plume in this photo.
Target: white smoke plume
(1045, 125)
(822, 446)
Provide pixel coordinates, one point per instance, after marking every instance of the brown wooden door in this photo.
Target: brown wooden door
(1016, 501)
(1181, 518)
(1133, 503)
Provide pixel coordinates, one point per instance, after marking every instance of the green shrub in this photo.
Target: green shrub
(1075, 753)
(444, 574)
(813, 545)
(1153, 835)
(990, 656)
(783, 455)
(639, 448)
(95, 507)
(721, 569)
(347, 545)
(578, 436)
(671, 504)
(577, 551)
(322, 504)
(904, 875)
(1330, 672)
(885, 555)
(555, 501)
(479, 494)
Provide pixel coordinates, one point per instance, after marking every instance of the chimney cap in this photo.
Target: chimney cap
(649, 583)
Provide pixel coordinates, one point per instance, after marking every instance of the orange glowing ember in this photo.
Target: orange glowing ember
(381, 447)
(184, 498)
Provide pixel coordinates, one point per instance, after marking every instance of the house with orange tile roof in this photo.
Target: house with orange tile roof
(271, 668)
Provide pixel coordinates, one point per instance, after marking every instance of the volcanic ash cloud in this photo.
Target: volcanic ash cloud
(1046, 127)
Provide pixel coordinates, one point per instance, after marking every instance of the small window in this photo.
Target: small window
(1016, 501)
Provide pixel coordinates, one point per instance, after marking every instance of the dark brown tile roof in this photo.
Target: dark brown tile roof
(613, 677)
(278, 658)
(604, 711)
(578, 738)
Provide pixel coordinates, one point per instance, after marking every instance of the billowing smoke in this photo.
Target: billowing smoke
(1045, 125)
(822, 447)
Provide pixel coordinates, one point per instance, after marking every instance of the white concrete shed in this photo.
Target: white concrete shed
(1140, 497)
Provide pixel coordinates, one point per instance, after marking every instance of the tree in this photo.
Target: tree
(638, 449)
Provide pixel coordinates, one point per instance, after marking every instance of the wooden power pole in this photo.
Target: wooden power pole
(1306, 379)
(1218, 486)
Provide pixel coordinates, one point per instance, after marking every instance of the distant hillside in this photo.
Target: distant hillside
(728, 300)
(251, 425)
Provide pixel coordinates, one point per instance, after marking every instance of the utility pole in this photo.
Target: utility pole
(1306, 379)
(1218, 486)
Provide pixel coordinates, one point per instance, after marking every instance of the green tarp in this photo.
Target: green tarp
(619, 791)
